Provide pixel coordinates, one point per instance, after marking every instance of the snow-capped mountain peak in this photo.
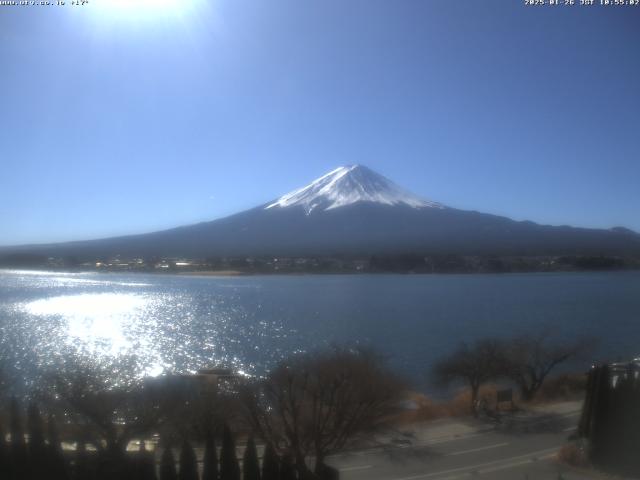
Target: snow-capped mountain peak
(347, 185)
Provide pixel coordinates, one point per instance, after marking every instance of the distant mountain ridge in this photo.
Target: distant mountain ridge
(353, 210)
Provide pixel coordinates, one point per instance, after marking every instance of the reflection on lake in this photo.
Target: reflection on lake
(182, 323)
(98, 320)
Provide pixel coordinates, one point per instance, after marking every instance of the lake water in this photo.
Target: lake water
(183, 323)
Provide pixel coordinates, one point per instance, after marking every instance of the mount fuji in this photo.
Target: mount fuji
(353, 210)
(348, 185)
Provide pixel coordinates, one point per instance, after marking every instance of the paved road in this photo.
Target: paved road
(522, 446)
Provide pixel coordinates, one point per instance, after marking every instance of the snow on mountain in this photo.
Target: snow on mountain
(347, 185)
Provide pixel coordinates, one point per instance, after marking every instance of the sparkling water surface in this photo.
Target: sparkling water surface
(179, 323)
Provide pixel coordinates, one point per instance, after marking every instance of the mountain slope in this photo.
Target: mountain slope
(353, 210)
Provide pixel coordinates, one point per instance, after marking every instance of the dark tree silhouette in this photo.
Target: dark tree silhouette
(229, 467)
(58, 469)
(188, 463)
(474, 364)
(81, 470)
(250, 463)
(18, 450)
(37, 449)
(5, 469)
(287, 469)
(327, 472)
(210, 470)
(35, 428)
(270, 464)
(146, 468)
(168, 465)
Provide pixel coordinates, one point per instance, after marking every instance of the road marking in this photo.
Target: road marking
(488, 447)
(506, 466)
(434, 441)
(511, 461)
(442, 439)
(355, 467)
(568, 429)
(439, 440)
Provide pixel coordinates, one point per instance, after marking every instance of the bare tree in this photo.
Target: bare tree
(473, 364)
(531, 358)
(108, 412)
(320, 403)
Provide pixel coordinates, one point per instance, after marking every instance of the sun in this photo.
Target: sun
(142, 5)
(143, 9)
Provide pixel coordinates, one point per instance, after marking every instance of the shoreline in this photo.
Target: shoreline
(207, 273)
(240, 273)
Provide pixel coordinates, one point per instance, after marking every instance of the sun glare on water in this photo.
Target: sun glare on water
(102, 323)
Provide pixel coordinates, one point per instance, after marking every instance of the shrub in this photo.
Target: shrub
(573, 455)
(425, 409)
(563, 387)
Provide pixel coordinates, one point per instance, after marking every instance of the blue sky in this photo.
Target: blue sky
(121, 119)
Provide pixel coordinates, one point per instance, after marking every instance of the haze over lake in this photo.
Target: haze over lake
(177, 323)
